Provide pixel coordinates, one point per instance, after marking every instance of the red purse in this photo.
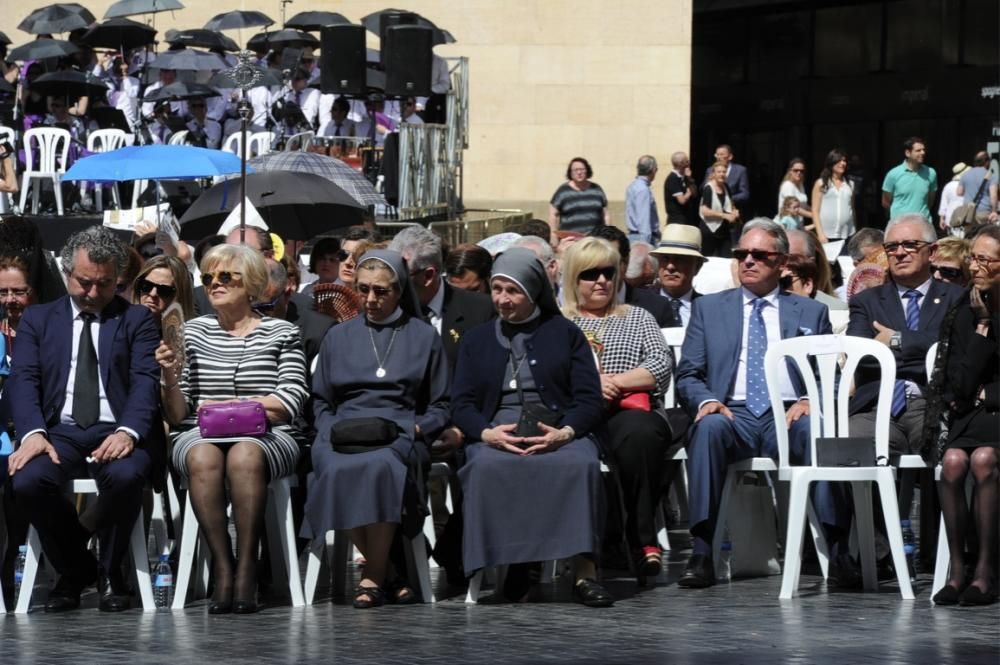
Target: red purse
(637, 401)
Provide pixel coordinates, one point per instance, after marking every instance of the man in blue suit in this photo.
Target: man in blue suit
(736, 178)
(84, 393)
(720, 380)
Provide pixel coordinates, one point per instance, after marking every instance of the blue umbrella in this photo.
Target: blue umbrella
(154, 162)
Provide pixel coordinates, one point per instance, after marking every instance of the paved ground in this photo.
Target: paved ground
(730, 624)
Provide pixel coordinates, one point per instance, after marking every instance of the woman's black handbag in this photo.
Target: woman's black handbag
(359, 435)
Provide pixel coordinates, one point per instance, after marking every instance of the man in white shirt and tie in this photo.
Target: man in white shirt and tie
(305, 98)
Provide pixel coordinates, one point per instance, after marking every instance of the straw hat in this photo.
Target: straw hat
(958, 170)
(680, 239)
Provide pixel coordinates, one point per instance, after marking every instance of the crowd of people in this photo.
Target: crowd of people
(524, 362)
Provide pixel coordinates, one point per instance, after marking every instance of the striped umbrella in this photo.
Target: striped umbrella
(349, 179)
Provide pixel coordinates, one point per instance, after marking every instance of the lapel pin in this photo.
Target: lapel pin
(937, 301)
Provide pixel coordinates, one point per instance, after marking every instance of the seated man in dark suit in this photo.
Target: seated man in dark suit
(644, 298)
(721, 383)
(680, 258)
(84, 386)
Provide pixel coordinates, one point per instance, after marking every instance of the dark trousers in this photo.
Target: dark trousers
(40, 492)
(638, 443)
(716, 441)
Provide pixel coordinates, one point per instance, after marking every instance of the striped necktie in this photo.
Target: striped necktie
(912, 323)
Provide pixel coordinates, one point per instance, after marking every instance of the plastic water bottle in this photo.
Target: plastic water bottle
(909, 546)
(22, 555)
(726, 556)
(163, 585)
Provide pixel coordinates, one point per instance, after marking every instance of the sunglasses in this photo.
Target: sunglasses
(909, 246)
(787, 281)
(757, 254)
(164, 291)
(224, 277)
(798, 170)
(379, 291)
(947, 272)
(593, 274)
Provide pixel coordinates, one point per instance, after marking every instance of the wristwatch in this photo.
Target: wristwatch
(896, 341)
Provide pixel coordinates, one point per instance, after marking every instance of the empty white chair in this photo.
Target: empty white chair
(829, 418)
(52, 144)
(233, 142)
(299, 141)
(260, 143)
(178, 138)
(140, 557)
(104, 140)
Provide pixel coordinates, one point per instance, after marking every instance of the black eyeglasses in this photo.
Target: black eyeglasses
(224, 277)
(379, 291)
(946, 271)
(909, 246)
(798, 170)
(757, 254)
(14, 293)
(163, 290)
(267, 306)
(593, 274)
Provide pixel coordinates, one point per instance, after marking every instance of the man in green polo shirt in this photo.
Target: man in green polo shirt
(910, 187)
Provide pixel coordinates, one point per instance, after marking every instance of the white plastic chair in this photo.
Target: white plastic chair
(178, 138)
(259, 143)
(281, 537)
(674, 337)
(53, 151)
(233, 142)
(137, 545)
(299, 141)
(438, 470)
(829, 418)
(6, 134)
(98, 141)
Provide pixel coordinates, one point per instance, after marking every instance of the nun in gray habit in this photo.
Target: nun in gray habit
(532, 498)
(388, 364)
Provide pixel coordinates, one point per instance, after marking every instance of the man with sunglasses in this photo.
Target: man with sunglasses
(721, 383)
(203, 131)
(84, 383)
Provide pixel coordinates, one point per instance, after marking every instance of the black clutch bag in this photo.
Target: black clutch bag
(533, 413)
(851, 451)
(358, 435)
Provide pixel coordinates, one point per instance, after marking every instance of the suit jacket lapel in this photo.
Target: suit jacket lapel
(932, 309)
(732, 315)
(65, 349)
(893, 307)
(110, 319)
(789, 313)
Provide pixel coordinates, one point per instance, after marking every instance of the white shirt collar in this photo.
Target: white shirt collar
(923, 288)
(749, 296)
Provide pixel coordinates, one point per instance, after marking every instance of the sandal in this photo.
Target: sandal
(374, 594)
(400, 593)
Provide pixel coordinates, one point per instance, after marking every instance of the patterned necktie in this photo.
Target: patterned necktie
(675, 305)
(86, 405)
(758, 401)
(337, 133)
(912, 323)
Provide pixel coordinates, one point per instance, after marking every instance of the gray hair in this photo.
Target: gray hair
(646, 165)
(277, 276)
(812, 243)
(542, 249)
(639, 258)
(771, 228)
(420, 247)
(677, 159)
(926, 230)
(860, 243)
(102, 246)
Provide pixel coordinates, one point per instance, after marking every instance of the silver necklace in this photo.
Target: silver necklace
(380, 372)
(514, 369)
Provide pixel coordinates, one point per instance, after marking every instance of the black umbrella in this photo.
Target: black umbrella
(68, 83)
(202, 38)
(6, 87)
(288, 38)
(238, 19)
(189, 60)
(55, 18)
(179, 91)
(119, 33)
(40, 49)
(4, 39)
(316, 20)
(133, 7)
(268, 77)
(373, 23)
(296, 206)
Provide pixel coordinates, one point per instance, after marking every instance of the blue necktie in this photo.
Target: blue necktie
(912, 323)
(758, 401)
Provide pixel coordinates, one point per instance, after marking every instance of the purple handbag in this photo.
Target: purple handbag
(246, 418)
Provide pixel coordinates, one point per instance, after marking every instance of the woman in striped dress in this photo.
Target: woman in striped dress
(235, 354)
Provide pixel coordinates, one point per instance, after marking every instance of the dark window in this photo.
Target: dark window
(718, 52)
(982, 32)
(848, 40)
(922, 34)
(779, 47)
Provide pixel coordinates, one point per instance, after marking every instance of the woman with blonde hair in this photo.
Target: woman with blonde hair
(234, 355)
(635, 368)
(950, 261)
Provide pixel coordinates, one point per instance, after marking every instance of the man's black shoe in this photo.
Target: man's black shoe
(114, 594)
(65, 595)
(844, 573)
(592, 594)
(699, 572)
